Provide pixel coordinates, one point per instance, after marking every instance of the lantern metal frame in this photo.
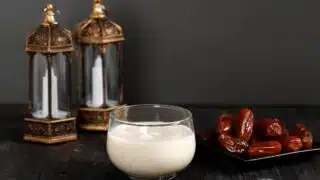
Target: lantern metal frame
(100, 31)
(49, 39)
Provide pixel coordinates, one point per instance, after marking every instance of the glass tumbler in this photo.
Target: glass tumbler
(151, 141)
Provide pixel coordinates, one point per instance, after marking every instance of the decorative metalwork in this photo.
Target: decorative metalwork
(49, 37)
(93, 119)
(49, 42)
(98, 29)
(99, 33)
(50, 132)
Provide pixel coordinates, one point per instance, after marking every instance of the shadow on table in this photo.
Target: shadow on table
(11, 130)
(80, 170)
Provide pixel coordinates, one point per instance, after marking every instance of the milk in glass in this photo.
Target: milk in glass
(150, 151)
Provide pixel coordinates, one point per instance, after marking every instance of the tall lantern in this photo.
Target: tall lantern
(100, 46)
(49, 119)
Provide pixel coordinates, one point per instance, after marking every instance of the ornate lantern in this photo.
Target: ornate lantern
(100, 47)
(49, 119)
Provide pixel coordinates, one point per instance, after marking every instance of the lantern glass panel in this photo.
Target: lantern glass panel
(101, 76)
(60, 86)
(39, 86)
(93, 77)
(112, 74)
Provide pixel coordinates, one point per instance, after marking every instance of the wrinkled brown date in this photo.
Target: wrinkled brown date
(232, 144)
(244, 124)
(306, 136)
(224, 124)
(264, 148)
(292, 143)
(269, 127)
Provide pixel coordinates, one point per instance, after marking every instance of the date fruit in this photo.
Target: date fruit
(306, 136)
(244, 124)
(232, 144)
(270, 127)
(264, 148)
(292, 143)
(224, 124)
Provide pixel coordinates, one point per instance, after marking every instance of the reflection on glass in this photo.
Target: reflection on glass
(101, 78)
(94, 77)
(112, 73)
(40, 87)
(39, 64)
(60, 95)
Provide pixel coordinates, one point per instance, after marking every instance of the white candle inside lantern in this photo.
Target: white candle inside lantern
(56, 113)
(97, 84)
(45, 92)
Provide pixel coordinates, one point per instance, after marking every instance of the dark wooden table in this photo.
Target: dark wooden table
(86, 159)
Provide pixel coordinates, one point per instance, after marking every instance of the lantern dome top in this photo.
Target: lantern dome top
(49, 37)
(98, 29)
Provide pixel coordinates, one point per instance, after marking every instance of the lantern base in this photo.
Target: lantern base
(50, 131)
(95, 119)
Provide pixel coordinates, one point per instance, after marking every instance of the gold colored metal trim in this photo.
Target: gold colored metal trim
(46, 121)
(95, 127)
(95, 119)
(97, 40)
(98, 10)
(100, 109)
(49, 15)
(49, 37)
(98, 29)
(52, 140)
(50, 131)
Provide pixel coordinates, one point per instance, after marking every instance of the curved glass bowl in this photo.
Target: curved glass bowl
(151, 141)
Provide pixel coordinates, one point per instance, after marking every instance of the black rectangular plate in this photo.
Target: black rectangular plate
(214, 147)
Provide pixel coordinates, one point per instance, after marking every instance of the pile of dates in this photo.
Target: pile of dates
(242, 135)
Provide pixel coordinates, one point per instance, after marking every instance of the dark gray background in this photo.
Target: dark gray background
(190, 51)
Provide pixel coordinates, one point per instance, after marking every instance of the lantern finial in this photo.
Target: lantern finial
(98, 29)
(98, 10)
(49, 13)
(49, 37)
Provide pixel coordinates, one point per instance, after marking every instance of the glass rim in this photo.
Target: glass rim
(161, 123)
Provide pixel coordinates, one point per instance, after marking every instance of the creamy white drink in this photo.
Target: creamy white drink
(150, 151)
